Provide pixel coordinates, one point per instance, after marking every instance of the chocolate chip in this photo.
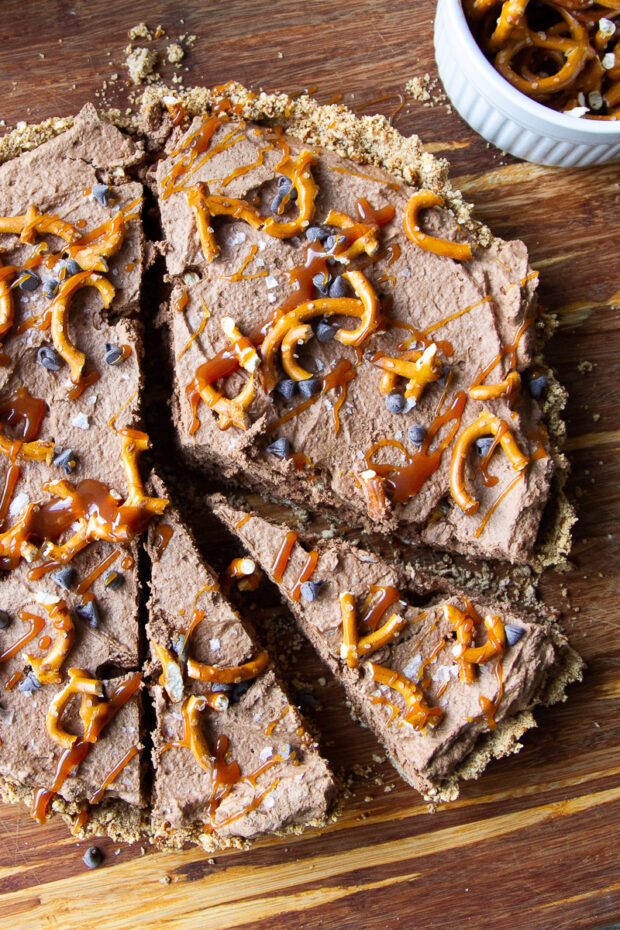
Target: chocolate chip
(113, 355)
(5, 620)
(276, 203)
(281, 447)
(29, 683)
(65, 578)
(316, 234)
(92, 858)
(416, 434)
(238, 690)
(28, 280)
(395, 402)
(50, 288)
(513, 633)
(537, 386)
(332, 241)
(324, 331)
(64, 458)
(100, 193)
(322, 281)
(72, 267)
(49, 358)
(284, 184)
(309, 387)
(286, 388)
(90, 613)
(483, 445)
(445, 371)
(310, 590)
(338, 288)
(221, 687)
(113, 580)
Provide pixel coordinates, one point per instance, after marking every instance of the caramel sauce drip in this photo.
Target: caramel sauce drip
(380, 599)
(496, 504)
(113, 774)
(367, 177)
(245, 169)
(24, 413)
(508, 352)
(80, 821)
(269, 730)
(183, 300)
(282, 558)
(45, 642)
(36, 625)
(164, 534)
(10, 481)
(127, 563)
(489, 708)
(99, 569)
(342, 373)
(71, 758)
(222, 365)
(305, 575)
(86, 380)
(13, 680)
(240, 276)
(195, 146)
(177, 112)
(243, 521)
(404, 481)
(376, 699)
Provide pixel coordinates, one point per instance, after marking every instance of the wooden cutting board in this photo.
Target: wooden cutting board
(534, 843)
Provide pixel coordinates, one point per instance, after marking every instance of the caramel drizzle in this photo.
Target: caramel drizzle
(36, 625)
(367, 177)
(113, 774)
(488, 707)
(454, 316)
(405, 481)
(269, 730)
(305, 575)
(341, 374)
(376, 604)
(164, 535)
(509, 352)
(239, 275)
(198, 143)
(245, 169)
(206, 313)
(497, 503)
(96, 572)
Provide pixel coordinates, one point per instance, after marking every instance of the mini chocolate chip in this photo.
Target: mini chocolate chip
(316, 234)
(292, 196)
(29, 683)
(5, 620)
(417, 434)
(64, 458)
(89, 612)
(513, 633)
(483, 445)
(281, 447)
(100, 193)
(322, 281)
(395, 402)
(332, 241)
(284, 184)
(65, 578)
(49, 358)
(221, 687)
(338, 288)
(324, 331)
(92, 858)
(50, 288)
(28, 280)
(537, 386)
(113, 355)
(113, 580)
(72, 267)
(309, 387)
(286, 388)
(276, 203)
(238, 690)
(445, 371)
(310, 590)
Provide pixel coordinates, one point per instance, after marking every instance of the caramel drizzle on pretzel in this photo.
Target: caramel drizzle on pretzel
(422, 200)
(419, 368)
(48, 668)
(21, 407)
(229, 675)
(58, 313)
(171, 678)
(298, 172)
(33, 222)
(464, 624)
(507, 388)
(91, 690)
(366, 308)
(193, 735)
(419, 715)
(485, 424)
(377, 501)
(244, 572)
(355, 647)
(361, 237)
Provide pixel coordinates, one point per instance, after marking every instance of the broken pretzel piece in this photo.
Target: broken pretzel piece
(48, 668)
(485, 424)
(171, 678)
(362, 236)
(419, 714)
(373, 486)
(79, 683)
(298, 172)
(42, 223)
(421, 200)
(229, 675)
(509, 386)
(58, 313)
(7, 308)
(420, 369)
(205, 205)
(91, 254)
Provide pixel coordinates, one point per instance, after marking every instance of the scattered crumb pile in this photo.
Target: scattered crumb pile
(426, 90)
(142, 62)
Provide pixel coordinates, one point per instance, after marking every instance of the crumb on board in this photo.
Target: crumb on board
(141, 31)
(141, 64)
(175, 53)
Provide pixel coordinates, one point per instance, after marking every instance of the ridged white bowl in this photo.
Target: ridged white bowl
(502, 114)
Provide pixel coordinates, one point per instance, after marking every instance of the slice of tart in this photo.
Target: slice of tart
(72, 504)
(339, 339)
(232, 758)
(444, 681)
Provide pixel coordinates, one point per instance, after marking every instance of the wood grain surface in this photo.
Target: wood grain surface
(534, 843)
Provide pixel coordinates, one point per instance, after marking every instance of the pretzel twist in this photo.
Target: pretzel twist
(422, 200)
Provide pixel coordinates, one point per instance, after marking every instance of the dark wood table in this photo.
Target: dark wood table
(534, 843)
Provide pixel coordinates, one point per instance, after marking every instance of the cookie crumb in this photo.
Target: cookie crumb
(141, 31)
(175, 53)
(141, 65)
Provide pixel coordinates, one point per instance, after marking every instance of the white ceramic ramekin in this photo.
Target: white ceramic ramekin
(505, 116)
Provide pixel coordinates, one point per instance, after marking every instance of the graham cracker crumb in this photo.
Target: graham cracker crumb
(175, 53)
(141, 64)
(141, 31)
